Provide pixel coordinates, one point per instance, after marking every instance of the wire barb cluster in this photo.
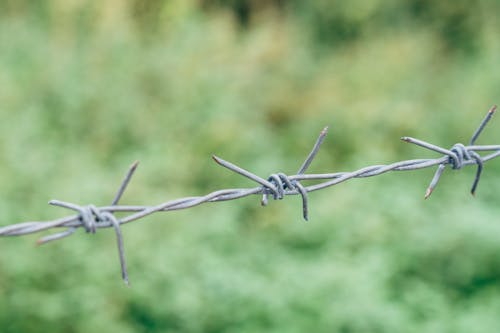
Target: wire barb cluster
(277, 186)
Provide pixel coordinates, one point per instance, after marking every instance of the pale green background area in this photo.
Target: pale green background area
(87, 87)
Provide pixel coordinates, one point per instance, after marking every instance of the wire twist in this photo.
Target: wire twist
(283, 186)
(277, 185)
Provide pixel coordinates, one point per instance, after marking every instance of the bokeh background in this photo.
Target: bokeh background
(87, 87)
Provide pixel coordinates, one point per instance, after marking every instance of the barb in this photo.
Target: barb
(89, 217)
(457, 155)
(277, 185)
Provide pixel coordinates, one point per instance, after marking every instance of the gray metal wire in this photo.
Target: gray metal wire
(277, 185)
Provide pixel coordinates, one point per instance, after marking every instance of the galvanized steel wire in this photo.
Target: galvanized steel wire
(277, 186)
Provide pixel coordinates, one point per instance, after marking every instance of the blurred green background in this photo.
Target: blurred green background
(87, 87)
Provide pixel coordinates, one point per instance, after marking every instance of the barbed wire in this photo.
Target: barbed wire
(277, 186)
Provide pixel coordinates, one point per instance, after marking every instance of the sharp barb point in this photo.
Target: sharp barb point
(134, 166)
(218, 160)
(313, 152)
(125, 279)
(125, 182)
(483, 124)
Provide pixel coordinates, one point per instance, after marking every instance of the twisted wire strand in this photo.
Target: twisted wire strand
(277, 186)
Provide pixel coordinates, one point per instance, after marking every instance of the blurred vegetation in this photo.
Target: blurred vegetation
(87, 87)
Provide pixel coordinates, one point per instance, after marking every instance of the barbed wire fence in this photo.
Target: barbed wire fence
(276, 186)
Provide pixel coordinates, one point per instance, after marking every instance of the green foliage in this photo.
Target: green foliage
(87, 87)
